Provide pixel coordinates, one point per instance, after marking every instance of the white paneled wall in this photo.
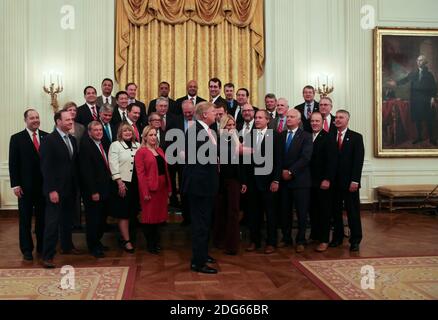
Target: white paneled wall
(32, 42)
(307, 37)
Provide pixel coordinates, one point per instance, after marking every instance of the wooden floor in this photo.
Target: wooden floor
(245, 276)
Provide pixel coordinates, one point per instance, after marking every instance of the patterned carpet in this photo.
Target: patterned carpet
(98, 283)
(408, 278)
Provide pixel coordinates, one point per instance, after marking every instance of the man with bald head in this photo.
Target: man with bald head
(192, 95)
(279, 122)
(296, 152)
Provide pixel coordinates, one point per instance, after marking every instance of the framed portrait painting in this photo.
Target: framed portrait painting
(406, 92)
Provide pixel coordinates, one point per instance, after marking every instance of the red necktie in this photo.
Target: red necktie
(102, 151)
(280, 126)
(339, 140)
(137, 135)
(326, 128)
(35, 142)
(93, 109)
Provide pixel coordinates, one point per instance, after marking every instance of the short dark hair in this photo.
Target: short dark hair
(108, 79)
(164, 82)
(130, 84)
(89, 87)
(120, 93)
(266, 113)
(221, 105)
(215, 80)
(270, 96)
(309, 87)
(344, 112)
(316, 113)
(58, 115)
(132, 105)
(229, 85)
(244, 89)
(27, 112)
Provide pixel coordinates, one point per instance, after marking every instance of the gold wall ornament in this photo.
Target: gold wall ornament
(53, 90)
(326, 88)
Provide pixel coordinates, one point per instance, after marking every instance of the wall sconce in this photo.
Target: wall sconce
(53, 87)
(326, 88)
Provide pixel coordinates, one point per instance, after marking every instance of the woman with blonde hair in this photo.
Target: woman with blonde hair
(154, 187)
(232, 182)
(125, 203)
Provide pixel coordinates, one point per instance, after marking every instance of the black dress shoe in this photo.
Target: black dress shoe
(335, 244)
(48, 264)
(28, 256)
(203, 269)
(230, 252)
(354, 247)
(211, 260)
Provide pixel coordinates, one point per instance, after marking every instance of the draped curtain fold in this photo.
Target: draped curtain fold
(180, 40)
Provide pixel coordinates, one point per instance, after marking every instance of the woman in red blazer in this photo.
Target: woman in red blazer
(154, 187)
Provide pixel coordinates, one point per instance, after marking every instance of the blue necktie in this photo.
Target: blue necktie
(290, 136)
(108, 132)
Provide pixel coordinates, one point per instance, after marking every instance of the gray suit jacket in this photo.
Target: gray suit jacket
(273, 124)
(100, 102)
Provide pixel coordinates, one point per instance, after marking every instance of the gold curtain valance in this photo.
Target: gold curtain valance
(205, 12)
(241, 13)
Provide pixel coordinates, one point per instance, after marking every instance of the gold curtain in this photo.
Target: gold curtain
(180, 40)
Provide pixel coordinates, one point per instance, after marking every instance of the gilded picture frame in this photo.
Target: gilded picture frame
(406, 92)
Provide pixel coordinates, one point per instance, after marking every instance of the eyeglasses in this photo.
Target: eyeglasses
(155, 120)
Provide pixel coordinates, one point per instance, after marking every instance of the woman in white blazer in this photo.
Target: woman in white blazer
(125, 201)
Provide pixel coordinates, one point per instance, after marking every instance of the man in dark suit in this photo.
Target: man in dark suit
(27, 182)
(164, 90)
(307, 107)
(134, 114)
(422, 92)
(271, 105)
(242, 99)
(109, 129)
(347, 183)
(279, 122)
(296, 152)
(60, 171)
(229, 97)
(220, 109)
(89, 111)
(201, 184)
(95, 185)
(215, 87)
(106, 97)
(263, 174)
(323, 171)
(184, 123)
(325, 108)
(247, 125)
(192, 95)
(120, 113)
(131, 89)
